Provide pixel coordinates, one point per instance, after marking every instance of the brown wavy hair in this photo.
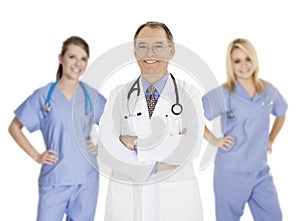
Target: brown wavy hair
(73, 40)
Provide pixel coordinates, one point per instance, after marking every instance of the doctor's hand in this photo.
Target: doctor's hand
(128, 141)
(47, 157)
(225, 143)
(93, 148)
(183, 131)
(161, 166)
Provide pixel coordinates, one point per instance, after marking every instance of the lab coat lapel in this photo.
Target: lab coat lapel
(167, 94)
(137, 103)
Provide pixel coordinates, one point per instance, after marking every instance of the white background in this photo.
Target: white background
(31, 36)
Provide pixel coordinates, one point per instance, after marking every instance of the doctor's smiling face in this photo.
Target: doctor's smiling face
(153, 50)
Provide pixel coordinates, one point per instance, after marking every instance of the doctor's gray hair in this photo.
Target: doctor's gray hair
(153, 24)
(73, 40)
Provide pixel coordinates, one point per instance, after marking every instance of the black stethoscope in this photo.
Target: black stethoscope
(176, 108)
(88, 103)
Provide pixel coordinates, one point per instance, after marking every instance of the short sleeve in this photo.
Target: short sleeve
(213, 103)
(30, 112)
(280, 105)
(99, 107)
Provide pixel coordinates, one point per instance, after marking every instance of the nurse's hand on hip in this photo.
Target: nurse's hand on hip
(47, 157)
(225, 143)
(93, 148)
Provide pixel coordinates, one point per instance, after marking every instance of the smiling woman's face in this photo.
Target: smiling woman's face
(74, 62)
(241, 64)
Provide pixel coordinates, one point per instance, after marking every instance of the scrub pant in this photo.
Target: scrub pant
(234, 189)
(78, 202)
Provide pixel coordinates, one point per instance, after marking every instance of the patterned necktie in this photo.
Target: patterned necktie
(151, 101)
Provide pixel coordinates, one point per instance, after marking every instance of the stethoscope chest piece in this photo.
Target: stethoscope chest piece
(176, 109)
(230, 114)
(47, 107)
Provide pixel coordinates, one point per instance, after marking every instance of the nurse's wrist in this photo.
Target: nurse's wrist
(214, 141)
(36, 157)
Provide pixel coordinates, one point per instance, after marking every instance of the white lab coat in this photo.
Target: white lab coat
(134, 194)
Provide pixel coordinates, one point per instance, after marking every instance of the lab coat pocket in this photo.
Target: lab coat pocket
(180, 201)
(174, 124)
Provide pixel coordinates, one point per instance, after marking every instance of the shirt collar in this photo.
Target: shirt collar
(159, 86)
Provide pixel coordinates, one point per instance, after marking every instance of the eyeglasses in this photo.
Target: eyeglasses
(157, 48)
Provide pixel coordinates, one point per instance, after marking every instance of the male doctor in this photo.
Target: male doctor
(150, 132)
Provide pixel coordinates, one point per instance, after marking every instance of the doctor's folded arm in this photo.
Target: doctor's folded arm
(149, 138)
(122, 150)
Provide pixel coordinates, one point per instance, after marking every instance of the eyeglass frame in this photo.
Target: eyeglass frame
(159, 43)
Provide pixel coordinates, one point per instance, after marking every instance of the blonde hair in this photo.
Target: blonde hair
(249, 49)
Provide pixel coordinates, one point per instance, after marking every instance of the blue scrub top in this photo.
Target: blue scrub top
(249, 127)
(57, 127)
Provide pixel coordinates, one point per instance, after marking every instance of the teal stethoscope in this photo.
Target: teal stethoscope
(88, 107)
